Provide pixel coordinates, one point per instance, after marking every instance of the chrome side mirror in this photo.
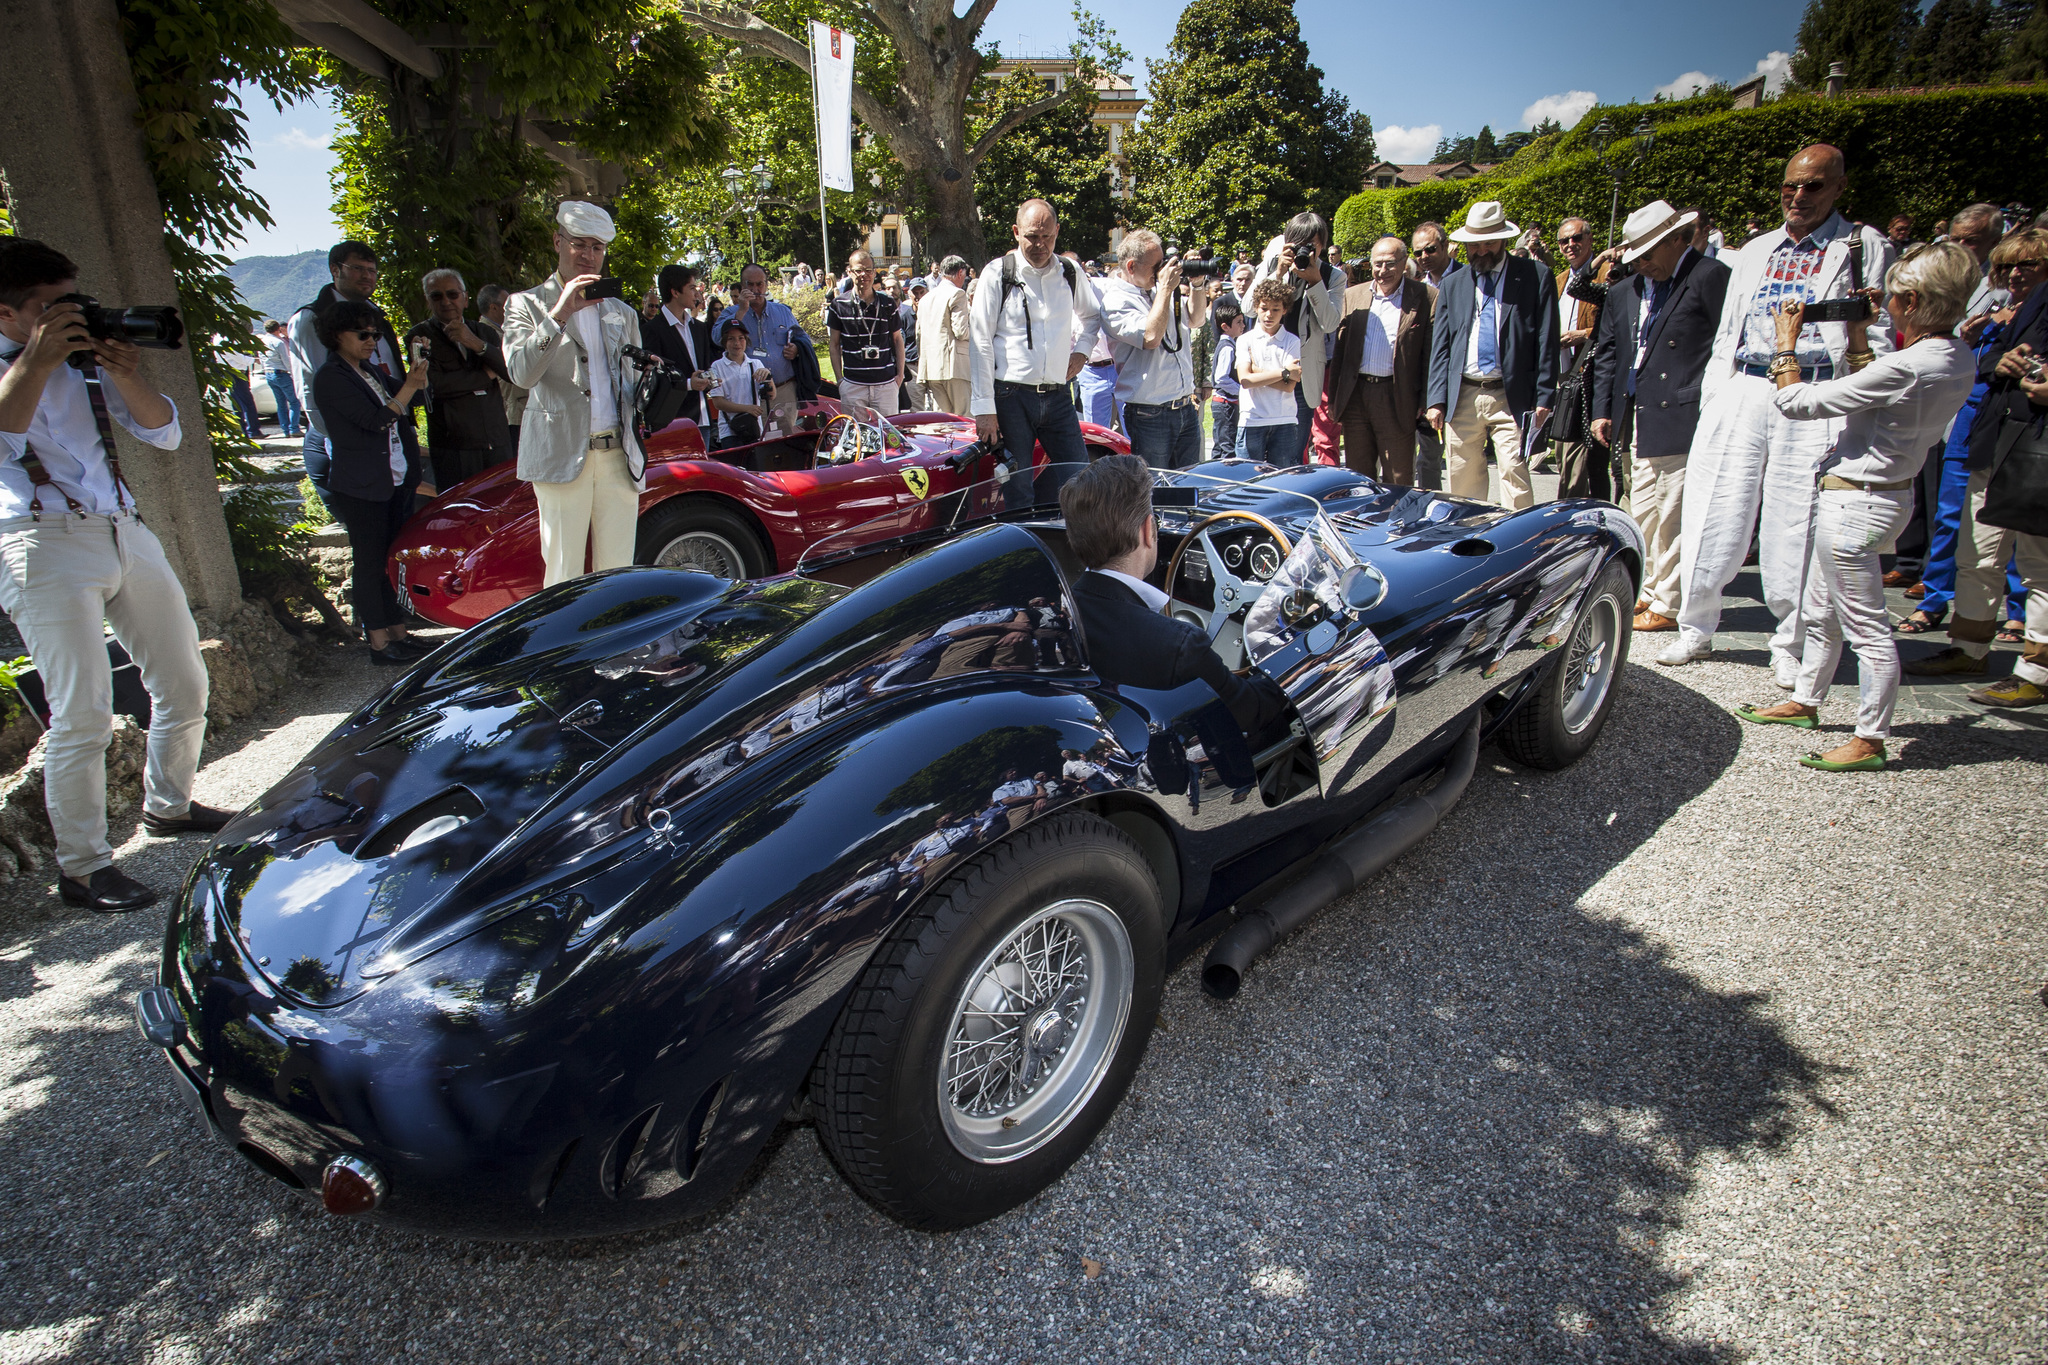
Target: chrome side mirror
(1363, 587)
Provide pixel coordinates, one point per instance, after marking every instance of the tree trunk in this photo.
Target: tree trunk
(79, 179)
(951, 219)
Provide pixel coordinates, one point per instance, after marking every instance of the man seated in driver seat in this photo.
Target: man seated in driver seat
(1110, 526)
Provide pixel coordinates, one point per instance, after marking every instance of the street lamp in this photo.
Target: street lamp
(748, 199)
(1637, 148)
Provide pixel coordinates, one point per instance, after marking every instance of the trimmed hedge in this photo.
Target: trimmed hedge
(1927, 155)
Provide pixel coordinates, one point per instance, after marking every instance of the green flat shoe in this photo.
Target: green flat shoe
(1756, 717)
(1872, 764)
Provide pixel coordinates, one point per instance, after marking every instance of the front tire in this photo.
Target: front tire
(997, 1028)
(1554, 728)
(693, 533)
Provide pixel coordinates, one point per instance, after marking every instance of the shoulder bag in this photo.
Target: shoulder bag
(2016, 496)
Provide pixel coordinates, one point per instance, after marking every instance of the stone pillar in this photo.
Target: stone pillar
(77, 178)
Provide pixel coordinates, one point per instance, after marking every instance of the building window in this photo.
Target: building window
(890, 240)
(1385, 182)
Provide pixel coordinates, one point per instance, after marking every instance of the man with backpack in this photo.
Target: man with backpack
(1033, 322)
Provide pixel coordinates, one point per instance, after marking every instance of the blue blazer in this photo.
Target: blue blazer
(1528, 337)
(1680, 343)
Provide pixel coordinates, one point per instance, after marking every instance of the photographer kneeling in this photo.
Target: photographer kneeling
(74, 553)
(1896, 405)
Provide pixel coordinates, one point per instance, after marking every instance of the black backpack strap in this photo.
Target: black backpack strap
(1010, 283)
(1856, 259)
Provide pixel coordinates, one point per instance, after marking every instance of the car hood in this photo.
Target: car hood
(593, 724)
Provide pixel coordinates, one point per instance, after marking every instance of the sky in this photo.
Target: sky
(1492, 62)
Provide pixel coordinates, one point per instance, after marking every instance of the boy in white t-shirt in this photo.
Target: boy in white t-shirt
(1268, 368)
(735, 391)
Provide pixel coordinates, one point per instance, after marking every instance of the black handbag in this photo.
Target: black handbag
(1571, 421)
(2016, 495)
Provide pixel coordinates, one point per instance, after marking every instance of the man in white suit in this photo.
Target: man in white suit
(1745, 453)
(577, 445)
(942, 329)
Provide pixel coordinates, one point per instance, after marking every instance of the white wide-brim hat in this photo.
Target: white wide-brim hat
(1485, 222)
(1649, 225)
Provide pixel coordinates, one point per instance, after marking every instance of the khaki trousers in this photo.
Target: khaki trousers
(881, 397)
(59, 579)
(599, 510)
(1375, 444)
(947, 395)
(1981, 553)
(1656, 499)
(1483, 415)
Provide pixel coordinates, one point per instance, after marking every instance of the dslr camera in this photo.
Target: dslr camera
(1193, 269)
(158, 327)
(1305, 254)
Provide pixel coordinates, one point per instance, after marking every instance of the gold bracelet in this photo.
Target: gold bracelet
(1856, 360)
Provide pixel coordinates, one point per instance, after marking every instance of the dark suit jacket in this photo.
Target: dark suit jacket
(1680, 342)
(1528, 336)
(1411, 349)
(358, 446)
(2029, 325)
(659, 337)
(1128, 644)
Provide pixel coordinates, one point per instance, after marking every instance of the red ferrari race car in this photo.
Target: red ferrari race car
(747, 512)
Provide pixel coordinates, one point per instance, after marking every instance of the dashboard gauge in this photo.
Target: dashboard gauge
(1265, 561)
(1233, 554)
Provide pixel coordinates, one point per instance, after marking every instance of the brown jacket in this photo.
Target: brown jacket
(1411, 348)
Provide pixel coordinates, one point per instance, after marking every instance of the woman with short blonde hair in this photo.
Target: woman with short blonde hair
(1895, 407)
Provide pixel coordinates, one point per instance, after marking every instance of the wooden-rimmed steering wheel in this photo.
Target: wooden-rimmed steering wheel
(1231, 592)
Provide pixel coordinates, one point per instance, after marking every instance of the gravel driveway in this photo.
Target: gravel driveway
(1686, 1054)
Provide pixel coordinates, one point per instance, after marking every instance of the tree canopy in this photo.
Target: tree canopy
(1869, 37)
(1061, 156)
(1240, 134)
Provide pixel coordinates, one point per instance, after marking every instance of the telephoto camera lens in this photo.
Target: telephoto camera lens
(1200, 270)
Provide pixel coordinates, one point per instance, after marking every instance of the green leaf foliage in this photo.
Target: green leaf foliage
(435, 172)
(186, 56)
(1926, 155)
(1240, 135)
(1870, 37)
(1061, 156)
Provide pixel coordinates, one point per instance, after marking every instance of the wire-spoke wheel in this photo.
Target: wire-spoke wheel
(703, 536)
(997, 1028)
(1558, 723)
(1035, 1030)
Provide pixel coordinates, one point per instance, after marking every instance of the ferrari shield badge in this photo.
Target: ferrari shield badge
(919, 481)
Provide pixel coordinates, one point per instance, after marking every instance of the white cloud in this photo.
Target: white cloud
(1567, 108)
(1678, 87)
(1775, 69)
(301, 139)
(1407, 146)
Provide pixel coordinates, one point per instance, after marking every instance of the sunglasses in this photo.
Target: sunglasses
(367, 335)
(1573, 237)
(443, 295)
(1809, 186)
(2030, 262)
(1429, 250)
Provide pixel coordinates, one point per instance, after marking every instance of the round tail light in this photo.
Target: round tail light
(455, 585)
(351, 1185)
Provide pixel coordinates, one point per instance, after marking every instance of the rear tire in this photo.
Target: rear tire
(695, 533)
(1554, 728)
(949, 1090)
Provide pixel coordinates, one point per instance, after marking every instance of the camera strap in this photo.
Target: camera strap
(39, 473)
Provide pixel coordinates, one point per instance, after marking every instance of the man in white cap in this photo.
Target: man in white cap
(1655, 336)
(1746, 455)
(577, 446)
(1493, 359)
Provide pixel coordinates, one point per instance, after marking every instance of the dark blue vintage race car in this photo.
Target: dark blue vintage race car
(549, 938)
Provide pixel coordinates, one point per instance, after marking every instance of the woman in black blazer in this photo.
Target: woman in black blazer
(375, 462)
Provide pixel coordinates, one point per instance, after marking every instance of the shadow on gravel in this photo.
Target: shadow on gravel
(1966, 742)
(1455, 1118)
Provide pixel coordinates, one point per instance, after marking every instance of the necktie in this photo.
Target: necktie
(1489, 328)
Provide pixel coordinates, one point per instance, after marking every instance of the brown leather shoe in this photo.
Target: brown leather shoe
(1898, 578)
(1642, 605)
(1917, 591)
(1650, 620)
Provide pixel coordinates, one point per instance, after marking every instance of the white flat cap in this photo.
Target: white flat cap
(579, 219)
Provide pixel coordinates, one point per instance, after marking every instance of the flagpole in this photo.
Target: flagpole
(818, 137)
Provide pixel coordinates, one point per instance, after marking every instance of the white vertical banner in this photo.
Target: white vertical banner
(832, 86)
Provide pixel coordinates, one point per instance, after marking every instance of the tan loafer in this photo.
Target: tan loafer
(1952, 661)
(1650, 620)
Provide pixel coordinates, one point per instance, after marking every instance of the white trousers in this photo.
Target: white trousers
(883, 398)
(1845, 600)
(60, 578)
(1484, 414)
(598, 509)
(1981, 553)
(1656, 496)
(1745, 456)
